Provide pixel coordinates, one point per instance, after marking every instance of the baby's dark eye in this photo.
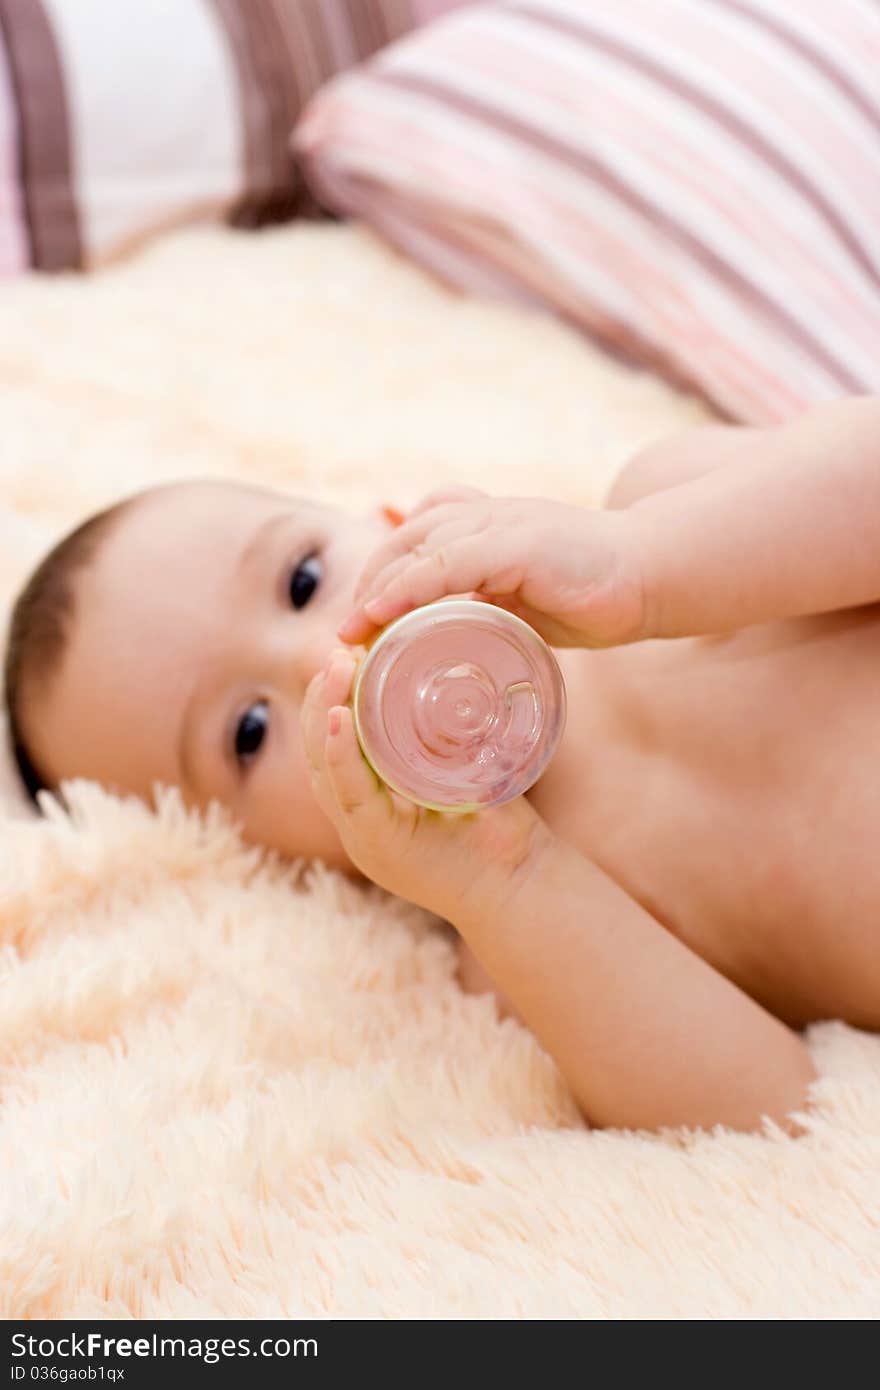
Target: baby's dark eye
(251, 731)
(304, 581)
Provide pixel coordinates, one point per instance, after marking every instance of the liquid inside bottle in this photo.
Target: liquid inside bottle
(459, 705)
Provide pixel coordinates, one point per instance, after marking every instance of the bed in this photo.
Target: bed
(234, 1088)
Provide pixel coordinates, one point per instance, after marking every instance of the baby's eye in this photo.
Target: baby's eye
(304, 581)
(251, 731)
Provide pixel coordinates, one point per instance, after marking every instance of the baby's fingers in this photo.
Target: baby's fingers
(468, 564)
(432, 511)
(353, 784)
(329, 687)
(408, 535)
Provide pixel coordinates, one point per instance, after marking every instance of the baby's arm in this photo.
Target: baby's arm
(675, 459)
(474, 980)
(646, 1033)
(790, 526)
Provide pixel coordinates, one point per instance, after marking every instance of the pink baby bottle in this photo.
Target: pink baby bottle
(459, 705)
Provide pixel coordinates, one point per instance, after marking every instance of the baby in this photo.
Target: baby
(694, 878)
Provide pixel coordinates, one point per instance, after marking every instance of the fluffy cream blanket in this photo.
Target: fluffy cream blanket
(231, 1089)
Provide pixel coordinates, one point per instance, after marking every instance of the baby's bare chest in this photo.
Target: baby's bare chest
(732, 785)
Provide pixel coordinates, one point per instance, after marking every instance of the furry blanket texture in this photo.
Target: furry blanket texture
(235, 1088)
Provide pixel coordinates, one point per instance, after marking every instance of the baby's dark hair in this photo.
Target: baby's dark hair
(39, 630)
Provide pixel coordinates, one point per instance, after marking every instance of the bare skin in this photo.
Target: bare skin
(729, 797)
(724, 781)
(712, 780)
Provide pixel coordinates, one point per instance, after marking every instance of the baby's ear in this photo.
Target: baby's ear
(392, 515)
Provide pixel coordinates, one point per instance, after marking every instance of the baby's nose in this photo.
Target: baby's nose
(315, 659)
(310, 660)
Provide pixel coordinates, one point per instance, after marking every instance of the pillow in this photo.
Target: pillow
(119, 117)
(696, 182)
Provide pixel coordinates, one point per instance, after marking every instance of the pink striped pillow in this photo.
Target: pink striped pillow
(696, 181)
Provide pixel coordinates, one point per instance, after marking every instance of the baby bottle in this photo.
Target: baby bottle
(459, 705)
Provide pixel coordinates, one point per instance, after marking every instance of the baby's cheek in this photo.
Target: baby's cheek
(284, 812)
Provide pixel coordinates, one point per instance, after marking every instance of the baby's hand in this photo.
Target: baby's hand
(434, 859)
(570, 572)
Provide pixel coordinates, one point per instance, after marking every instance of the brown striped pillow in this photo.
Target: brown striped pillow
(695, 181)
(119, 117)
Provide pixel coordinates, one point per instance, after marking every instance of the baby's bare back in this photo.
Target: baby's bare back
(732, 786)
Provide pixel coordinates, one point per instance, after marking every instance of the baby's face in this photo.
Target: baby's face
(198, 627)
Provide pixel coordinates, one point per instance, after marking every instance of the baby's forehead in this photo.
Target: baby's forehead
(189, 534)
(210, 507)
(195, 492)
(159, 589)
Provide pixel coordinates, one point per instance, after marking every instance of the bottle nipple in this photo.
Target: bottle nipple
(459, 704)
(456, 704)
